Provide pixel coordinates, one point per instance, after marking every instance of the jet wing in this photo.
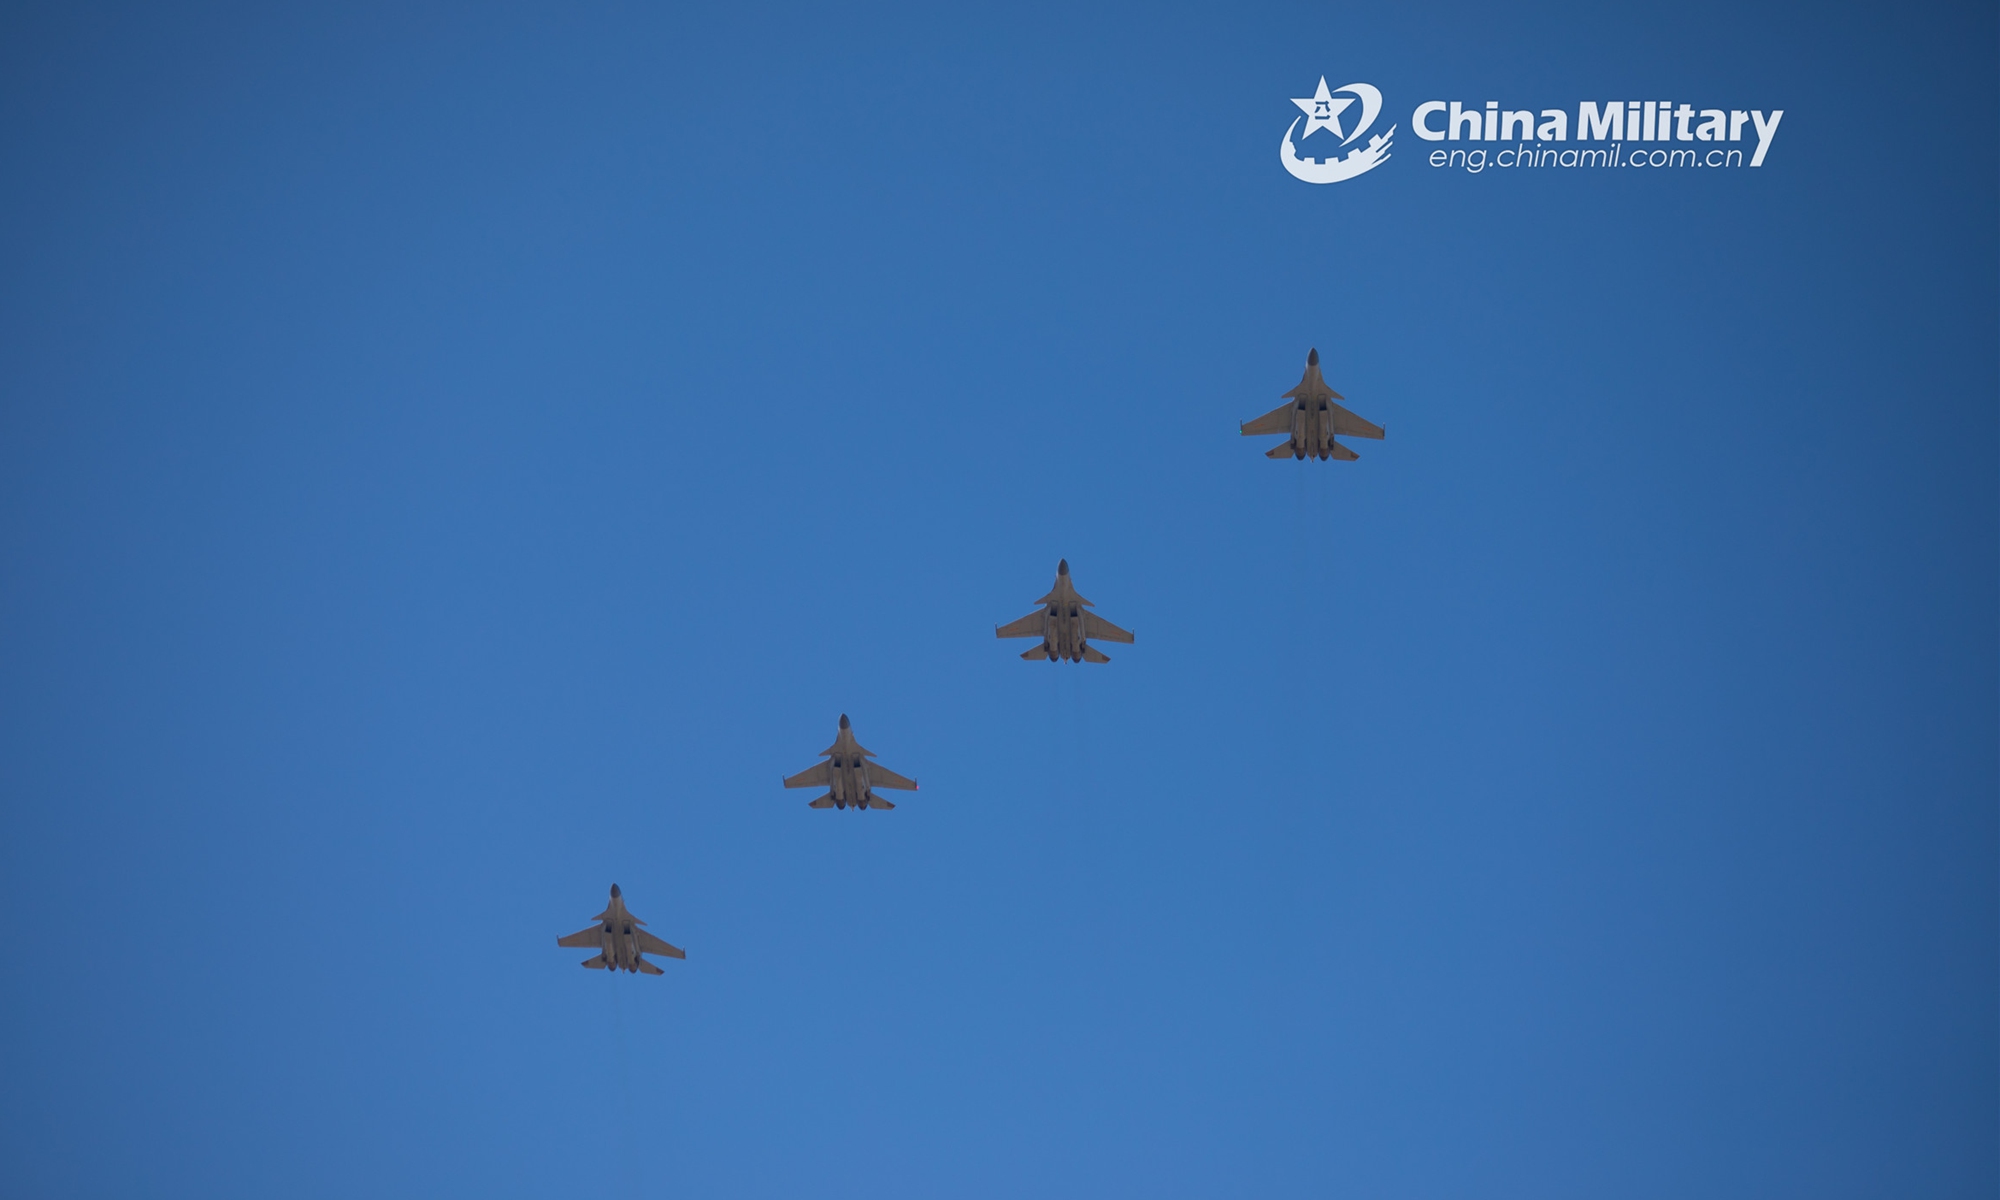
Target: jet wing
(881, 776)
(1097, 627)
(1278, 420)
(584, 939)
(1028, 626)
(1346, 424)
(648, 944)
(817, 776)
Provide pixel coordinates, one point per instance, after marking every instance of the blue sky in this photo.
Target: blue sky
(453, 459)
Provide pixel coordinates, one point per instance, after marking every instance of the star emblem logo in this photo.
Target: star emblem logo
(1322, 110)
(1325, 110)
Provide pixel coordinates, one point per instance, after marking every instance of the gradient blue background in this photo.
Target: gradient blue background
(454, 459)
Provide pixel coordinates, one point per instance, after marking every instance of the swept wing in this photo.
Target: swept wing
(819, 776)
(1278, 420)
(1346, 424)
(1028, 626)
(648, 944)
(1097, 627)
(882, 777)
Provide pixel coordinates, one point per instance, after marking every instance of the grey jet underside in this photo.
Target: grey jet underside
(1065, 625)
(620, 943)
(1310, 420)
(849, 778)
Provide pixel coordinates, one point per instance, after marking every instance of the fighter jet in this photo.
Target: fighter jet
(849, 778)
(1063, 625)
(1312, 419)
(619, 941)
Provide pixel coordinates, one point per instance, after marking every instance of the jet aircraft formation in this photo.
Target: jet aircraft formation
(1311, 420)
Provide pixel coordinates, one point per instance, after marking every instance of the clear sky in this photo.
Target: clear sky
(455, 459)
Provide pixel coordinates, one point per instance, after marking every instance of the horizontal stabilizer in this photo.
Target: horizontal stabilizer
(648, 968)
(825, 801)
(1336, 450)
(1038, 652)
(879, 802)
(1281, 450)
(1093, 654)
(596, 964)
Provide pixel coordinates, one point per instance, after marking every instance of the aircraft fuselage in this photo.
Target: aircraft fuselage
(847, 777)
(1312, 429)
(1062, 627)
(621, 943)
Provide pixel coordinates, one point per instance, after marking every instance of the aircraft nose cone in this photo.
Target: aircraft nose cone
(1062, 567)
(614, 891)
(1312, 357)
(843, 720)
